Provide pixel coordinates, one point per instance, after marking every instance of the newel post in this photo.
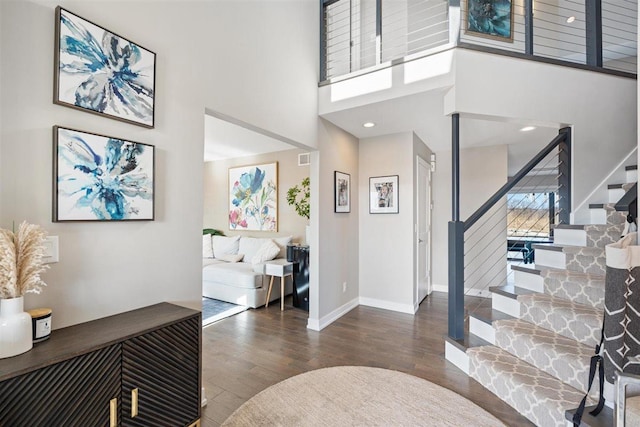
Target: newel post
(456, 240)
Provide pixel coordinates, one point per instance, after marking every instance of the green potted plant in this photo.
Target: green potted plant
(298, 197)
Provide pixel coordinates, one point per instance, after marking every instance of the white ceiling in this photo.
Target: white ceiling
(423, 114)
(226, 140)
(420, 113)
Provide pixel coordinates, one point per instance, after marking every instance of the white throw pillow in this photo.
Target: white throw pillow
(282, 242)
(268, 251)
(231, 257)
(207, 249)
(225, 245)
(249, 246)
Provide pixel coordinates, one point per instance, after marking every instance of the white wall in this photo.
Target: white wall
(336, 234)
(261, 58)
(252, 60)
(601, 108)
(482, 172)
(387, 240)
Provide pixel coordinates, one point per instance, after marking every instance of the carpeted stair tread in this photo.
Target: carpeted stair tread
(535, 394)
(601, 235)
(582, 288)
(558, 356)
(615, 217)
(584, 259)
(569, 319)
(598, 235)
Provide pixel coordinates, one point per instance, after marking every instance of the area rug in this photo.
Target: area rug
(214, 310)
(359, 396)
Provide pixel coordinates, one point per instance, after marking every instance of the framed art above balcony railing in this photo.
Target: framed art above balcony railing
(358, 35)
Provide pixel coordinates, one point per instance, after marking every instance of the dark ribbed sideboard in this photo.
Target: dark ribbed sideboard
(139, 368)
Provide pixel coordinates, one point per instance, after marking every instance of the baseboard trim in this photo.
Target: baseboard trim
(320, 324)
(440, 288)
(471, 292)
(203, 402)
(386, 305)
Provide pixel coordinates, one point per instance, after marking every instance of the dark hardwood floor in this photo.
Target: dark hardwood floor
(248, 352)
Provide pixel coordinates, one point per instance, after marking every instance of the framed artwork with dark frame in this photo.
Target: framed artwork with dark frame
(253, 197)
(383, 194)
(101, 178)
(491, 19)
(100, 72)
(342, 192)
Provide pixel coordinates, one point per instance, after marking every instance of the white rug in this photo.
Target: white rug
(359, 396)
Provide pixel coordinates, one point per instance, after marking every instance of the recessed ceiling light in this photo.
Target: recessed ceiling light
(527, 128)
(571, 19)
(369, 124)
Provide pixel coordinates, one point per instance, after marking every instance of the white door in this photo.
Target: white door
(423, 229)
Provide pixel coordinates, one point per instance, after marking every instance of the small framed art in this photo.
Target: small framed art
(100, 72)
(101, 178)
(383, 194)
(342, 192)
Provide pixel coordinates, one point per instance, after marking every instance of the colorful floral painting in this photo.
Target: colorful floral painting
(101, 72)
(99, 178)
(253, 197)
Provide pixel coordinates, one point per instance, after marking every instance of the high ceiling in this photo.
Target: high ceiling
(420, 113)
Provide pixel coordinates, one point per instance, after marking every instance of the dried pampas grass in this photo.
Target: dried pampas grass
(21, 264)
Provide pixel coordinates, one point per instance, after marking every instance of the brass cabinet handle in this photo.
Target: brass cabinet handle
(113, 412)
(134, 403)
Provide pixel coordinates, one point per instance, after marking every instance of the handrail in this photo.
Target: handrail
(561, 137)
(629, 197)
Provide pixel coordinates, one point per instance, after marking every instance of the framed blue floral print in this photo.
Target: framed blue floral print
(101, 72)
(101, 178)
(253, 197)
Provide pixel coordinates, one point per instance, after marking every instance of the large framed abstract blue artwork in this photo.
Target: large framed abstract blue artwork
(490, 18)
(253, 197)
(101, 72)
(101, 178)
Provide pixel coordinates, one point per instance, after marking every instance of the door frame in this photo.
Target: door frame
(429, 206)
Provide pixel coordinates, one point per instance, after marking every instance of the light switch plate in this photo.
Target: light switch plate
(51, 250)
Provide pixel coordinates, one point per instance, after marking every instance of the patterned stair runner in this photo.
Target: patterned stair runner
(567, 318)
(587, 289)
(554, 354)
(538, 396)
(615, 217)
(601, 235)
(585, 259)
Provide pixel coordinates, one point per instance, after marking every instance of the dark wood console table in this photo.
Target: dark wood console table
(139, 368)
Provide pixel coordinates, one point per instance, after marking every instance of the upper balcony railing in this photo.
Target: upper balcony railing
(361, 34)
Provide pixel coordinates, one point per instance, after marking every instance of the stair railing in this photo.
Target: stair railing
(629, 203)
(484, 233)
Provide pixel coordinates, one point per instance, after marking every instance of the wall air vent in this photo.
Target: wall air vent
(304, 159)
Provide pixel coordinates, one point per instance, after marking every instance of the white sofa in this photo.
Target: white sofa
(233, 268)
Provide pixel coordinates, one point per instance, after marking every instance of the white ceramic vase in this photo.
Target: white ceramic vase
(15, 328)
